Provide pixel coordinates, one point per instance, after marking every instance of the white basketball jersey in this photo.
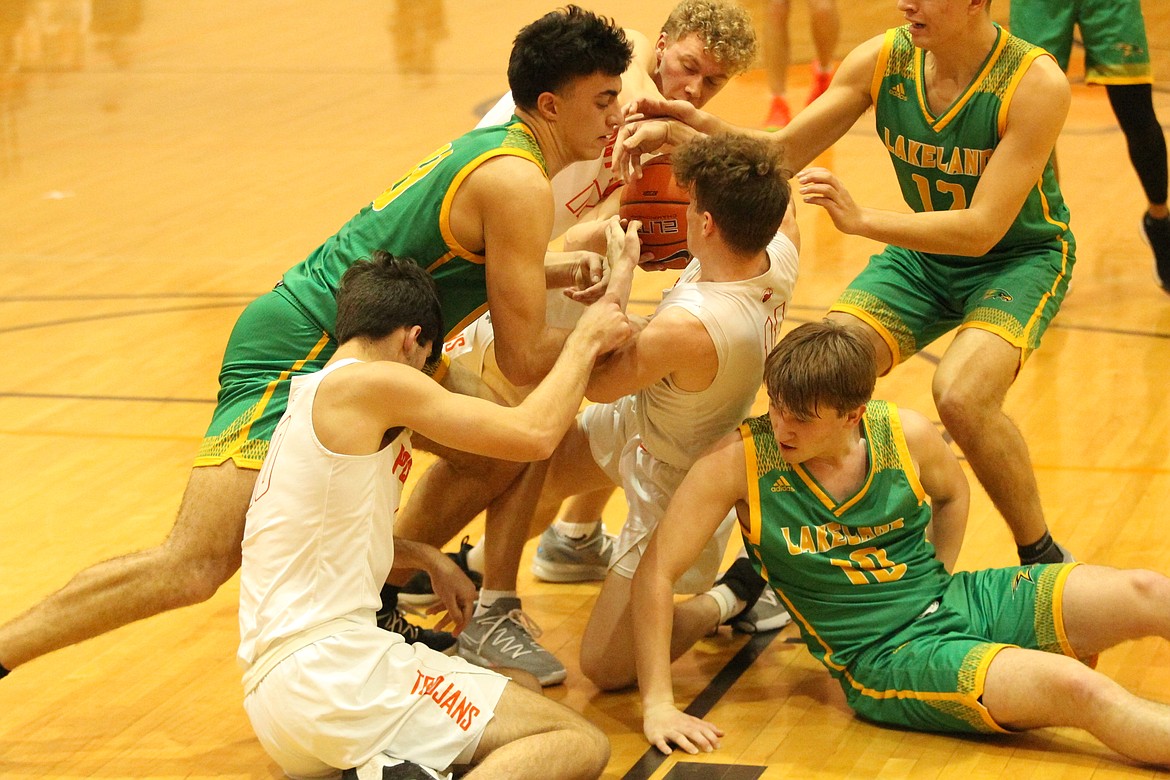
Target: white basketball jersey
(318, 543)
(743, 319)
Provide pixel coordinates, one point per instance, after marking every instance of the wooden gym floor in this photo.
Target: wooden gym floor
(163, 161)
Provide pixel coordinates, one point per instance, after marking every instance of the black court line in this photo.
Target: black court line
(121, 315)
(652, 759)
(131, 398)
(123, 297)
(687, 770)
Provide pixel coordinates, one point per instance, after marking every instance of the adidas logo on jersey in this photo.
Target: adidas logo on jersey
(782, 485)
(898, 91)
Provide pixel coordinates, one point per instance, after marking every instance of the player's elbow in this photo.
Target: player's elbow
(602, 395)
(536, 442)
(983, 233)
(516, 368)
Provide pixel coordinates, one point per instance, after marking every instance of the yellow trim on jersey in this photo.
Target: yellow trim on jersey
(903, 448)
(460, 326)
(753, 486)
(1119, 80)
(829, 502)
(1010, 90)
(1051, 220)
(868, 319)
(1058, 611)
(949, 114)
(456, 248)
(883, 62)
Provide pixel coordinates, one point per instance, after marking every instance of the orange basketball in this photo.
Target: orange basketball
(660, 205)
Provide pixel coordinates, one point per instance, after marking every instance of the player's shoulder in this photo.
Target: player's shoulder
(510, 176)
(1045, 73)
(676, 331)
(642, 43)
(1043, 94)
(917, 429)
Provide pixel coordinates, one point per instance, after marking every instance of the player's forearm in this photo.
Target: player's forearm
(560, 269)
(960, 232)
(548, 411)
(652, 600)
(410, 554)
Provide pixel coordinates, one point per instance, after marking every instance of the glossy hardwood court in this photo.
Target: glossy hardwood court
(162, 162)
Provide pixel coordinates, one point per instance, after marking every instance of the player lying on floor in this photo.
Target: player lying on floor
(854, 511)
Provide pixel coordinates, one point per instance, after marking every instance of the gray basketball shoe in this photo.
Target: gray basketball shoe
(506, 637)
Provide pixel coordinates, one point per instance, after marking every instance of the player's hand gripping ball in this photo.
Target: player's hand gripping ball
(660, 204)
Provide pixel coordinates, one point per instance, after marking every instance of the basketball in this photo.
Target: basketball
(660, 205)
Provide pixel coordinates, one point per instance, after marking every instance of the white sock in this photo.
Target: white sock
(729, 603)
(475, 558)
(489, 597)
(576, 530)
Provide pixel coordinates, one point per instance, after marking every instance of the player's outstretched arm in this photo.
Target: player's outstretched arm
(384, 395)
(655, 123)
(944, 482)
(715, 483)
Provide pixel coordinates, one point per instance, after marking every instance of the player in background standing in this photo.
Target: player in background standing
(1117, 55)
(825, 26)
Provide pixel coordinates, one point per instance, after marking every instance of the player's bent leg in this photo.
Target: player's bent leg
(534, 737)
(607, 646)
(572, 473)
(969, 387)
(201, 553)
(1028, 689)
(506, 527)
(455, 489)
(882, 351)
(1102, 607)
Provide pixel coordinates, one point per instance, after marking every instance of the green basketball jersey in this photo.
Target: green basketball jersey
(412, 219)
(940, 159)
(861, 565)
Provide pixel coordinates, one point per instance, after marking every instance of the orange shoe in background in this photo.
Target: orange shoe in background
(779, 115)
(820, 80)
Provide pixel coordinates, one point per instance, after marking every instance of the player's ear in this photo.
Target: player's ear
(546, 104)
(410, 339)
(708, 224)
(854, 417)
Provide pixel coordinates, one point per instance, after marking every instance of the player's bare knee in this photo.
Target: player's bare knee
(590, 746)
(960, 410)
(1081, 695)
(1150, 589)
(603, 673)
(197, 576)
(595, 749)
